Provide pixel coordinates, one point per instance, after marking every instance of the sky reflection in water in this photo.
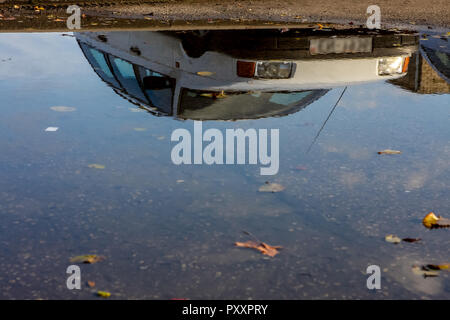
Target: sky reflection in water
(168, 231)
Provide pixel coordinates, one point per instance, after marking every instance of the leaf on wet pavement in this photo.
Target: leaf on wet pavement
(91, 284)
(263, 247)
(431, 221)
(430, 270)
(271, 187)
(103, 294)
(389, 151)
(96, 166)
(87, 258)
(444, 266)
(422, 271)
(205, 73)
(392, 239)
(411, 239)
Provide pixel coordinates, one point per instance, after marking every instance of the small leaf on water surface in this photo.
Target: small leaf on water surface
(422, 271)
(271, 187)
(389, 151)
(411, 239)
(87, 258)
(103, 294)
(264, 248)
(392, 239)
(96, 166)
(205, 73)
(63, 109)
(431, 221)
(430, 270)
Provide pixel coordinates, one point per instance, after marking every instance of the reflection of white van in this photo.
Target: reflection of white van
(155, 69)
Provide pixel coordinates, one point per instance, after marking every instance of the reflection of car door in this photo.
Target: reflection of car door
(158, 88)
(148, 86)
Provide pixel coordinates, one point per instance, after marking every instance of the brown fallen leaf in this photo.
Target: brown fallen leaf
(271, 187)
(423, 271)
(394, 239)
(91, 284)
(264, 248)
(430, 270)
(389, 151)
(88, 258)
(431, 221)
(411, 239)
(444, 266)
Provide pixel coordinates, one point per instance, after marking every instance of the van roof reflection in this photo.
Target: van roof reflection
(245, 74)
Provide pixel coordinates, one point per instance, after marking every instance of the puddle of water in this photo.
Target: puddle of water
(104, 181)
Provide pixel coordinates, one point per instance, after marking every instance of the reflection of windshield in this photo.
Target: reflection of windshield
(207, 105)
(441, 60)
(147, 86)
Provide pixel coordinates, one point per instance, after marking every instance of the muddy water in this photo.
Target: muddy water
(167, 231)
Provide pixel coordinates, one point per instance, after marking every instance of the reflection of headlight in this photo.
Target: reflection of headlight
(273, 70)
(392, 65)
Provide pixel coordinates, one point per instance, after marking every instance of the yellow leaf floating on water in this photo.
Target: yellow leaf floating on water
(205, 73)
(389, 151)
(96, 166)
(422, 271)
(431, 221)
(103, 294)
(214, 95)
(271, 187)
(430, 270)
(392, 239)
(87, 258)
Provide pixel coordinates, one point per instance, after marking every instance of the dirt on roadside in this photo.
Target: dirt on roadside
(50, 15)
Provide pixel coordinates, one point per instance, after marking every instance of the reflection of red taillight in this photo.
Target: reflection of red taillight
(405, 65)
(246, 69)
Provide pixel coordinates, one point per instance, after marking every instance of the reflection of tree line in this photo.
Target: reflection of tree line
(423, 77)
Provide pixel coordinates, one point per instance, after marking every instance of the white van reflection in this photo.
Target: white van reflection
(153, 70)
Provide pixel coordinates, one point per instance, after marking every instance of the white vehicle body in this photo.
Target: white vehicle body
(215, 71)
